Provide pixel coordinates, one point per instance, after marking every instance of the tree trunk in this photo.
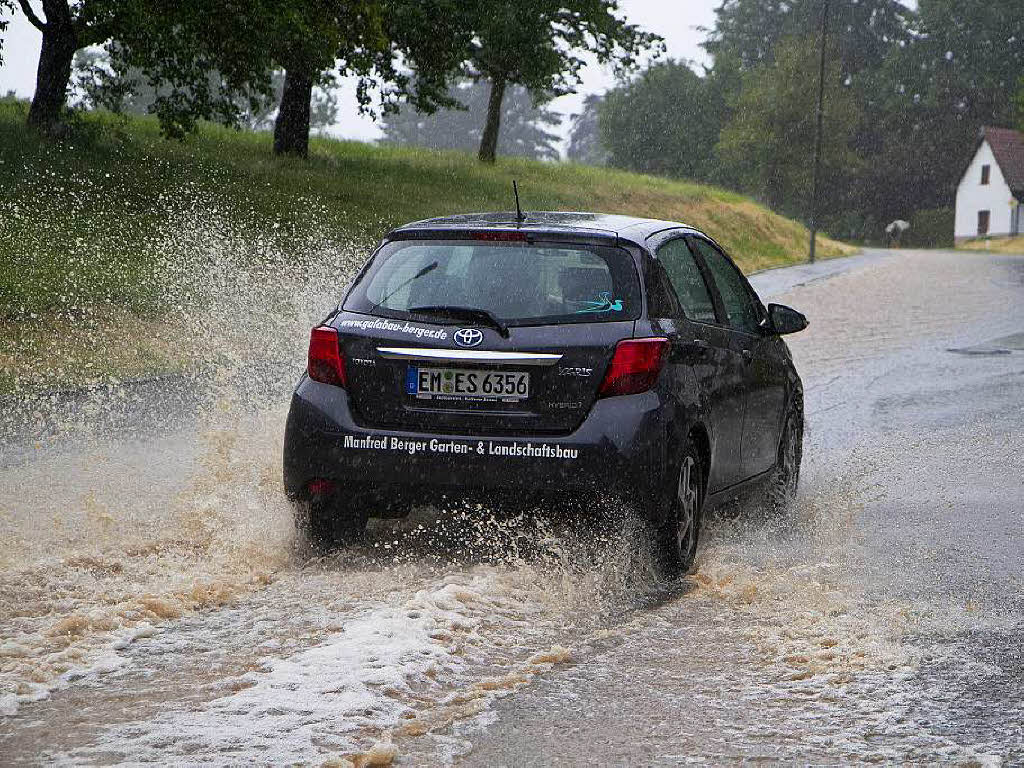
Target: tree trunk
(291, 129)
(59, 45)
(489, 140)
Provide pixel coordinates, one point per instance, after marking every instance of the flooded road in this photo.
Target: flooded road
(155, 606)
(885, 620)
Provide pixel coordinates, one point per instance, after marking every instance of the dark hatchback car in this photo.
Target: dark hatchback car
(569, 352)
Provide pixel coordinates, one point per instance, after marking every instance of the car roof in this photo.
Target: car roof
(598, 226)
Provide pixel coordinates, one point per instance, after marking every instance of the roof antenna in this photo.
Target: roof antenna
(520, 218)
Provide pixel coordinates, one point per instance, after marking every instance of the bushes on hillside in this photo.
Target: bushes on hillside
(931, 228)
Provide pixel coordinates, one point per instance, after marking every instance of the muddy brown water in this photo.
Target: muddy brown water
(155, 606)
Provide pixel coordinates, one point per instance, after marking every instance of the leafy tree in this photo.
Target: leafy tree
(526, 124)
(66, 26)
(195, 37)
(323, 111)
(538, 44)
(864, 35)
(6, 7)
(131, 93)
(213, 59)
(1018, 104)
(408, 50)
(585, 140)
(767, 147)
(306, 40)
(865, 31)
(973, 53)
(956, 75)
(925, 82)
(666, 122)
(311, 40)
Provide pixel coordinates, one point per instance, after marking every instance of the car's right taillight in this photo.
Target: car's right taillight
(634, 367)
(326, 363)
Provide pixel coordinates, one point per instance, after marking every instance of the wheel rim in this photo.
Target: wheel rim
(688, 503)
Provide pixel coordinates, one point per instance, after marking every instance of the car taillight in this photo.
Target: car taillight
(321, 486)
(634, 367)
(326, 363)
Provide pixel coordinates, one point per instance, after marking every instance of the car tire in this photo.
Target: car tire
(332, 522)
(678, 534)
(785, 477)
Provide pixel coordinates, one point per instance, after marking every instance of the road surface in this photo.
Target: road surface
(154, 605)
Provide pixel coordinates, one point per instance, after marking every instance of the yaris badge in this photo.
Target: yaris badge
(468, 337)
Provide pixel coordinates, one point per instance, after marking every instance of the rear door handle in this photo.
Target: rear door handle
(693, 351)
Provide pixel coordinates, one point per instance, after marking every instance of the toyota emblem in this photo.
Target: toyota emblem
(468, 337)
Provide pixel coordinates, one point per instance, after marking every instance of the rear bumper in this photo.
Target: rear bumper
(618, 449)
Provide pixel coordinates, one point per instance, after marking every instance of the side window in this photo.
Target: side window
(661, 299)
(687, 280)
(739, 304)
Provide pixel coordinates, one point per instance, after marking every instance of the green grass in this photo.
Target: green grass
(1012, 245)
(118, 222)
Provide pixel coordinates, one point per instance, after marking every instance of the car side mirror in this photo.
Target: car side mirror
(785, 319)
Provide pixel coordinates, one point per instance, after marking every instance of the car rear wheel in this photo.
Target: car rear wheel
(679, 532)
(785, 478)
(331, 521)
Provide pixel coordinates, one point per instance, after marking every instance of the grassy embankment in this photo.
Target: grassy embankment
(994, 244)
(109, 239)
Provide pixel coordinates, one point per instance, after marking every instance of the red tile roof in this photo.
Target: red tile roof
(1008, 147)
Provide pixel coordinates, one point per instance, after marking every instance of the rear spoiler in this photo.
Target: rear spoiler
(525, 234)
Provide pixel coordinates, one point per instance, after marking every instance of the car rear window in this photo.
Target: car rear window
(519, 283)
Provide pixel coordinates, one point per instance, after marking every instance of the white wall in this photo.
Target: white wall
(972, 196)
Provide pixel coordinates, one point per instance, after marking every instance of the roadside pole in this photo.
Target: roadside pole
(817, 134)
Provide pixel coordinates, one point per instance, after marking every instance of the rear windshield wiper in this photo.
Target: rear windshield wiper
(469, 314)
(425, 271)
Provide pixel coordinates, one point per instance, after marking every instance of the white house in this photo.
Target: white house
(991, 192)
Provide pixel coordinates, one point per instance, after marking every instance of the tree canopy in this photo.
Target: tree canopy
(906, 92)
(864, 30)
(215, 59)
(768, 145)
(665, 122)
(312, 41)
(66, 26)
(6, 7)
(585, 144)
(526, 132)
(1018, 104)
(539, 44)
(95, 86)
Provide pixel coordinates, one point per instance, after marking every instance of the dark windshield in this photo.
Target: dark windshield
(516, 283)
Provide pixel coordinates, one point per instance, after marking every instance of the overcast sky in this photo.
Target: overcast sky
(675, 20)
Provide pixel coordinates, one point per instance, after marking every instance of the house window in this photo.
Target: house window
(982, 223)
(985, 171)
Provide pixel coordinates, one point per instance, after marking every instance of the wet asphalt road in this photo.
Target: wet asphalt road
(153, 596)
(914, 464)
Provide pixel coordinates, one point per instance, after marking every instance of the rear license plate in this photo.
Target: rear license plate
(461, 384)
